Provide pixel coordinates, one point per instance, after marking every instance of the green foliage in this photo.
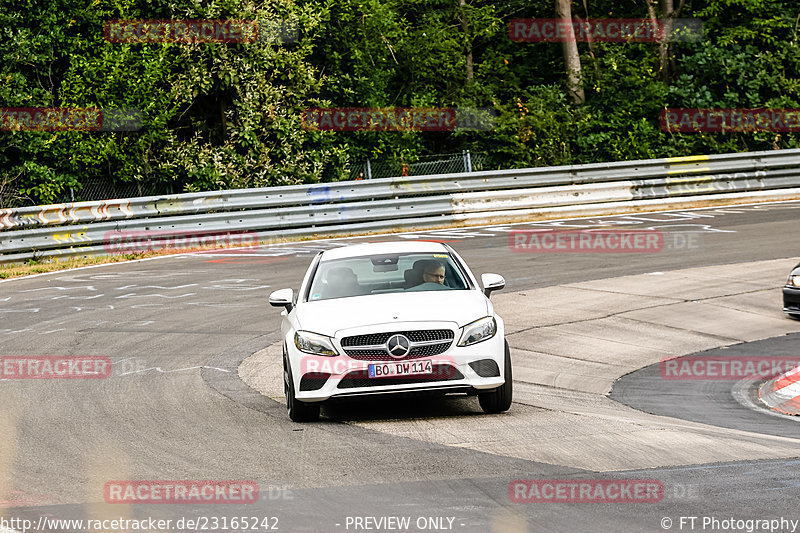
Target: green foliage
(218, 116)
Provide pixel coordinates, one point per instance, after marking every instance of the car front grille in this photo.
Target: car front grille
(371, 347)
(414, 336)
(360, 378)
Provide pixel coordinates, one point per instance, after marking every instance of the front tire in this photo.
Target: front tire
(298, 411)
(499, 400)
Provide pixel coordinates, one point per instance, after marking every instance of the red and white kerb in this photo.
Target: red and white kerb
(783, 393)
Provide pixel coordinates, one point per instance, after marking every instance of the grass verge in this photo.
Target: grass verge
(40, 267)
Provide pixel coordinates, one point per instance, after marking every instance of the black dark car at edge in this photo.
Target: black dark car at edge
(791, 294)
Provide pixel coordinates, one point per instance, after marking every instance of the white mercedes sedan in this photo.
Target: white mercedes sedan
(389, 318)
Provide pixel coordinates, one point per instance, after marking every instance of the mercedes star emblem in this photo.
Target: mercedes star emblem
(398, 346)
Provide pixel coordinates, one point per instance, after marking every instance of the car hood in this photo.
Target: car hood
(329, 316)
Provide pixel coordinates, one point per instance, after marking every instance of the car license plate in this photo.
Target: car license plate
(405, 368)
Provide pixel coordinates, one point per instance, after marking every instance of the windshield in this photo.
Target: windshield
(380, 274)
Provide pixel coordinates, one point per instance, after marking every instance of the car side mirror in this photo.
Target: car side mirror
(282, 298)
(492, 282)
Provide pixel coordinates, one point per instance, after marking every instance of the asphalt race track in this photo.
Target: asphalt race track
(708, 401)
(192, 395)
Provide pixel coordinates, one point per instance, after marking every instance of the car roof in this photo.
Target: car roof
(379, 248)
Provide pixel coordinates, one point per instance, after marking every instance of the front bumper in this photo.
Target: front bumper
(480, 366)
(791, 300)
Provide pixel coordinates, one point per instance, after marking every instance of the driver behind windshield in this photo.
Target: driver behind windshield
(433, 272)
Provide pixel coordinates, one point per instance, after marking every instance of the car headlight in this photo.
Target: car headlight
(794, 280)
(478, 331)
(314, 344)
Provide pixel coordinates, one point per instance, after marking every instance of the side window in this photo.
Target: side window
(452, 278)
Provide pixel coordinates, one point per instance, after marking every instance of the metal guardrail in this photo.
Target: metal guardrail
(87, 228)
(198, 203)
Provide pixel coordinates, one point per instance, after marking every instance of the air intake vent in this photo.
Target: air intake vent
(313, 381)
(486, 368)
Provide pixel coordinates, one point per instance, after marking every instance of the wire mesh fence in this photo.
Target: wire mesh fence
(97, 189)
(90, 189)
(102, 189)
(420, 166)
(11, 197)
